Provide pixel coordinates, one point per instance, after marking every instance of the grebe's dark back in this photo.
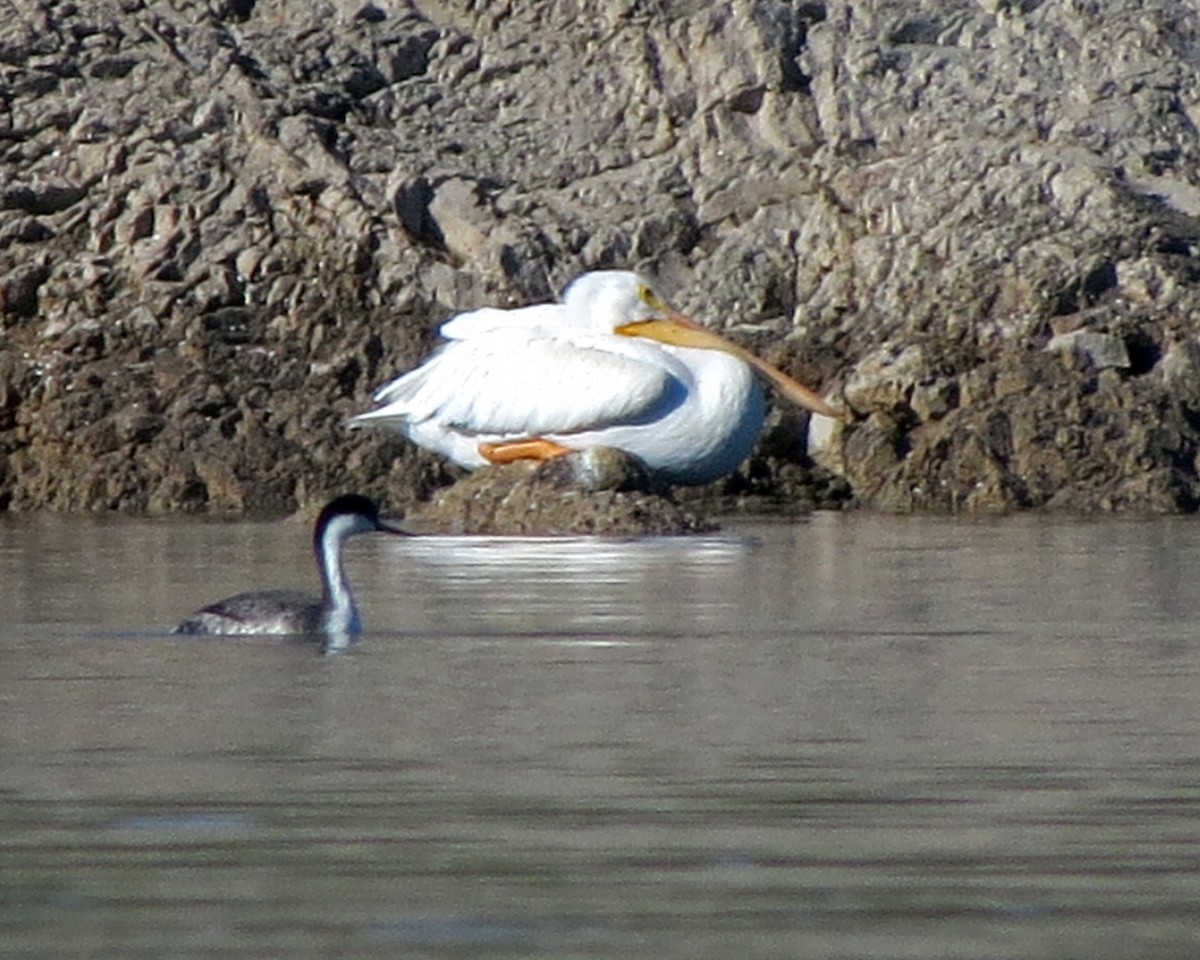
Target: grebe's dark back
(332, 617)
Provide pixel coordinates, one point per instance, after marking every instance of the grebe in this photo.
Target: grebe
(332, 617)
(613, 365)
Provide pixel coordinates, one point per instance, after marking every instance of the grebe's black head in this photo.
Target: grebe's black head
(349, 503)
(349, 514)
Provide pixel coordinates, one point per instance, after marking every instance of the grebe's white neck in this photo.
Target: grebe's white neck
(339, 619)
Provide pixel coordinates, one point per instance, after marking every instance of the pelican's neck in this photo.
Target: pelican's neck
(340, 615)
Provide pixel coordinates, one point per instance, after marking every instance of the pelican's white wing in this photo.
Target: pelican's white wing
(517, 382)
(547, 318)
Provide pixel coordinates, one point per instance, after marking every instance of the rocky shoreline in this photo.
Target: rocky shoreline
(222, 224)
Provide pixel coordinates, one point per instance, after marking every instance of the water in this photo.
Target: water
(853, 737)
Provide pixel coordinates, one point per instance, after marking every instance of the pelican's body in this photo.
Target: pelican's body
(612, 365)
(332, 617)
(690, 415)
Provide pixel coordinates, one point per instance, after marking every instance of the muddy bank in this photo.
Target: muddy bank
(222, 224)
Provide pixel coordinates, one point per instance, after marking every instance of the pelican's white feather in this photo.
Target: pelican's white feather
(612, 365)
(509, 382)
(547, 318)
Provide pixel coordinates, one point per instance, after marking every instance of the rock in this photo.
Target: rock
(41, 198)
(223, 224)
(460, 220)
(886, 378)
(592, 492)
(1102, 350)
(599, 469)
(19, 289)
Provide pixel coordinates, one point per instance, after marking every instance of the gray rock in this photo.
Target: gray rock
(1102, 350)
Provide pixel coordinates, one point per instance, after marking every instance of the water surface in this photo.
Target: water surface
(856, 736)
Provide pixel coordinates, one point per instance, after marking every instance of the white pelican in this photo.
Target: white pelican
(613, 365)
(332, 617)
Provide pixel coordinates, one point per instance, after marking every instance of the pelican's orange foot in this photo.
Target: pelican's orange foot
(512, 450)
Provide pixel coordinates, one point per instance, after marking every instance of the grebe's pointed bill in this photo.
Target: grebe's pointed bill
(364, 511)
(679, 331)
(387, 526)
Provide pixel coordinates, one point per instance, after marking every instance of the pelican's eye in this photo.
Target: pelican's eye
(650, 298)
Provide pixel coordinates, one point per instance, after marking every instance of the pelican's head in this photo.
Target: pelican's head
(606, 300)
(621, 302)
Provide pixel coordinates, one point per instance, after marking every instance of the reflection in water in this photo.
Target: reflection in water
(857, 736)
(568, 585)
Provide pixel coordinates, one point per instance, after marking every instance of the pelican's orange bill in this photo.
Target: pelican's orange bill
(679, 331)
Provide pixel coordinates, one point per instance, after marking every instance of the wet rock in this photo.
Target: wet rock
(1034, 433)
(601, 468)
(592, 492)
